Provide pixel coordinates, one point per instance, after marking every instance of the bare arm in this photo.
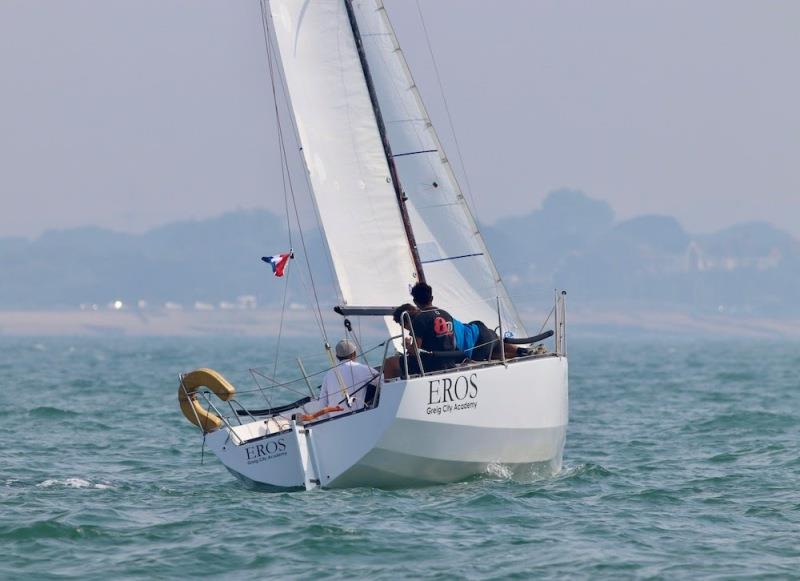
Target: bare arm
(412, 346)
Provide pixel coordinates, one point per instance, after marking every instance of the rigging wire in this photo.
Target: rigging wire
(465, 199)
(283, 165)
(281, 150)
(446, 107)
(306, 174)
(415, 122)
(280, 326)
(285, 172)
(499, 287)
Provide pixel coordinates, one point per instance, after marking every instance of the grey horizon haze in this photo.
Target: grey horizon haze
(130, 115)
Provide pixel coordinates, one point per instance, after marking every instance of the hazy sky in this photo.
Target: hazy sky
(132, 114)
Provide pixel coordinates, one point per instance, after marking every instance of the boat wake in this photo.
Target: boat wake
(523, 474)
(544, 472)
(579, 471)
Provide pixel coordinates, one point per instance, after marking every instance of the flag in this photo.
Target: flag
(278, 262)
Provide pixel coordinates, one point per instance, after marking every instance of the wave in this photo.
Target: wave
(82, 383)
(73, 483)
(588, 470)
(735, 376)
(49, 529)
(746, 419)
(49, 412)
(500, 471)
(526, 474)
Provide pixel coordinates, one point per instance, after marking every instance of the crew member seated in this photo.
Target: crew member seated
(392, 366)
(432, 331)
(436, 330)
(480, 343)
(475, 339)
(345, 387)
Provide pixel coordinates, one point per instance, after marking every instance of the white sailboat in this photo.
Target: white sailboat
(392, 214)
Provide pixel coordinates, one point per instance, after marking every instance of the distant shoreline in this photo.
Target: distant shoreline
(155, 323)
(266, 322)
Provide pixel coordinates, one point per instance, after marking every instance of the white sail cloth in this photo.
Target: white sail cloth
(350, 175)
(455, 259)
(342, 148)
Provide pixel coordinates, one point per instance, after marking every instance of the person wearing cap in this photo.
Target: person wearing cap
(346, 382)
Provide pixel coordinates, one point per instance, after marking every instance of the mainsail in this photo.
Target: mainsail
(455, 259)
(350, 173)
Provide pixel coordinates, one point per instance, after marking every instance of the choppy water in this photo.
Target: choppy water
(681, 460)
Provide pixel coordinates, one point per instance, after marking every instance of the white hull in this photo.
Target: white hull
(438, 428)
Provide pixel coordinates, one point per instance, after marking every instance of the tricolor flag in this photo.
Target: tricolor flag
(278, 262)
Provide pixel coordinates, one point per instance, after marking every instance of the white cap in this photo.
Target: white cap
(345, 349)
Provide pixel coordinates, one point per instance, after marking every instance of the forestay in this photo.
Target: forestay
(455, 259)
(349, 174)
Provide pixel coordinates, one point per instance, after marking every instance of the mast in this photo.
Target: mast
(387, 148)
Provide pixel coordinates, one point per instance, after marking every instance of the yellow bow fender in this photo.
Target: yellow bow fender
(187, 397)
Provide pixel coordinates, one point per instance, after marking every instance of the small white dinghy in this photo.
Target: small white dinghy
(392, 214)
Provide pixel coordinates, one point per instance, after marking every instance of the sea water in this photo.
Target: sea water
(682, 460)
